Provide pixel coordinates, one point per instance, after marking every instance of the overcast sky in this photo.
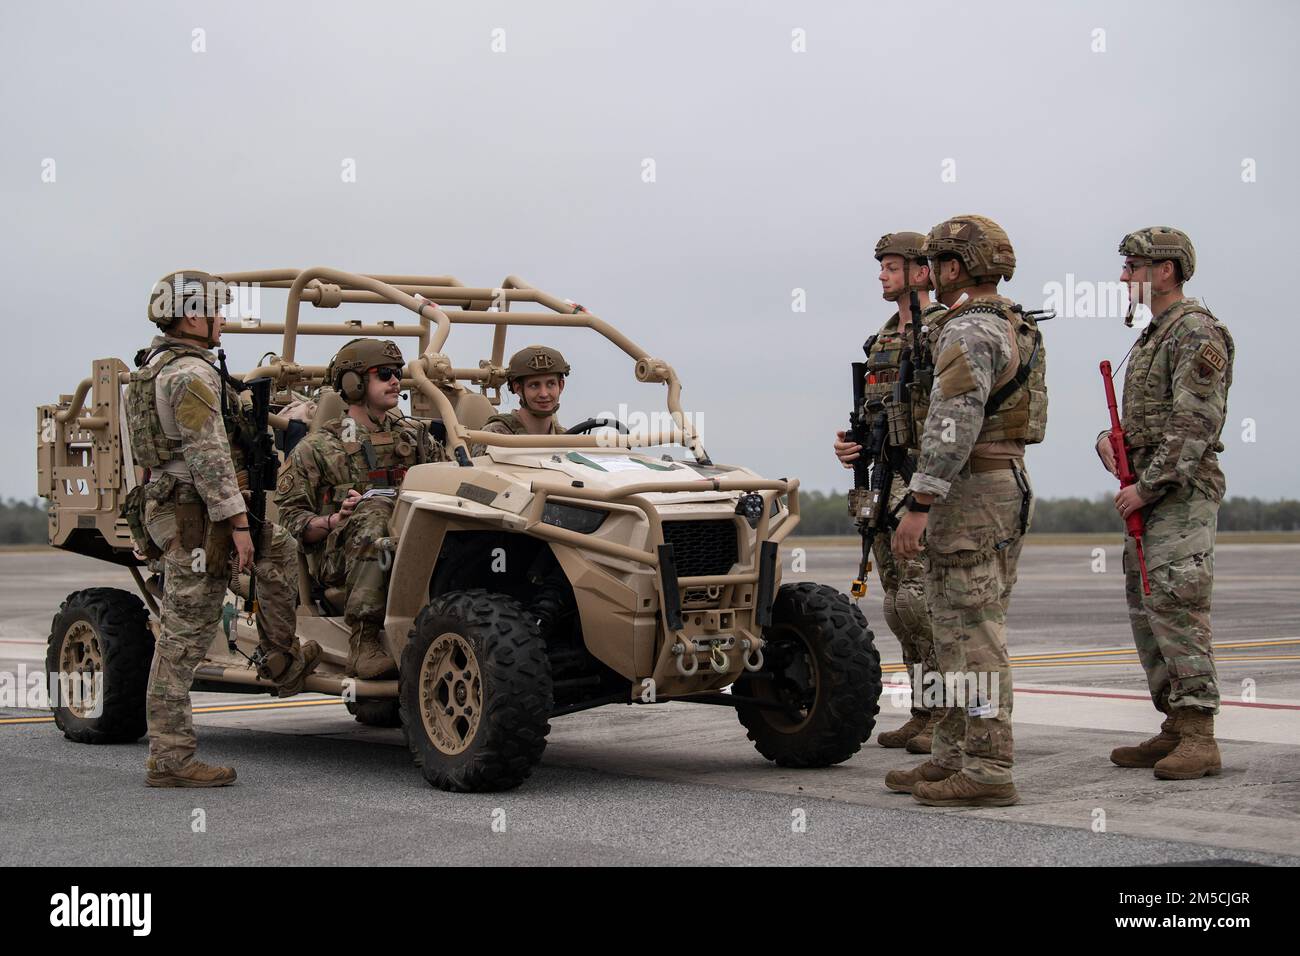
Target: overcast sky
(785, 139)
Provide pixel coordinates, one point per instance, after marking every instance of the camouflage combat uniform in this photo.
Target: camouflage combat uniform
(190, 500)
(975, 467)
(509, 424)
(1175, 402)
(903, 581)
(343, 456)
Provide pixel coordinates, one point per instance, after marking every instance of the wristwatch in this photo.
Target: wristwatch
(914, 505)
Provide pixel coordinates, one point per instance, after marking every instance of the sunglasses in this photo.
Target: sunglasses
(387, 373)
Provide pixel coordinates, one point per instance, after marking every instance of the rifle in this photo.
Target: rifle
(881, 458)
(1134, 522)
(258, 444)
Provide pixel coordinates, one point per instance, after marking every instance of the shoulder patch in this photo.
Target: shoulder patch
(197, 405)
(1212, 357)
(285, 484)
(953, 370)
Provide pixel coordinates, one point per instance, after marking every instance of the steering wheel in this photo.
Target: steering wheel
(583, 427)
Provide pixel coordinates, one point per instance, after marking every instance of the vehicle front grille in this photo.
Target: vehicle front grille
(703, 547)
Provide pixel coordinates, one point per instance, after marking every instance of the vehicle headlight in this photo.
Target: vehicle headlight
(750, 507)
(573, 517)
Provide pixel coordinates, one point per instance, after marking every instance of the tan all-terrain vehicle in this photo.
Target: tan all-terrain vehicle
(548, 576)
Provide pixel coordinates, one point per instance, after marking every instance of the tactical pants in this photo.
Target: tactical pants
(974, 539)
(906, 610)
(1171, 625)
(191, 613)
(351, 561)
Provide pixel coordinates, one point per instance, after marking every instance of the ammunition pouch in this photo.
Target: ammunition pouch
(900, 423)
(132, 512)
(859, 503)
(191, 524)
(218, 545)
(194, 531)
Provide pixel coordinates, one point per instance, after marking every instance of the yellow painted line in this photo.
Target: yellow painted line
(1217, 659)
(1126, 653)
(1029, 662)
(1236, 645)
(210, 709)
(271, 705)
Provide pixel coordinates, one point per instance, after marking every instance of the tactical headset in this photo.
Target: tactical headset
(351, 385)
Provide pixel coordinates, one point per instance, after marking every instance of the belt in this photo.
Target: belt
(386, 477)
(979, 466)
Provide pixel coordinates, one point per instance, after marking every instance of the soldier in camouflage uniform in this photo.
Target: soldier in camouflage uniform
(536, 375)
(902, 270)
(336, 490)
(1175, 403)
(191, 513)
(988, 401)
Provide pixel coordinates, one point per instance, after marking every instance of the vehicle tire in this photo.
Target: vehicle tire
(382, 712)
(104, 632)
(820, 661)
(475, 692)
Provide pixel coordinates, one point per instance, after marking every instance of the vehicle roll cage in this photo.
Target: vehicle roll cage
(432, 372)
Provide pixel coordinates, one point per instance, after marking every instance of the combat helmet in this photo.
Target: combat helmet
(909, 245)
(1159, 243)
(980, 243)
(184, 293)
(347, 370)
(536, 360)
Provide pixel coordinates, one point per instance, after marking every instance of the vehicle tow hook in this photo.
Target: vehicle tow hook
(718, 660)
(753, 659)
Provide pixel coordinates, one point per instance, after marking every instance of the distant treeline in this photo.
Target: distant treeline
(827, 514)
(23, 522)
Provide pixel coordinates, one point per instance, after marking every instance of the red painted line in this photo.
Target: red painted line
(1081, 693)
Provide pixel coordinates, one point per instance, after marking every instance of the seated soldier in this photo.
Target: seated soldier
(331, 490)
(536, 375)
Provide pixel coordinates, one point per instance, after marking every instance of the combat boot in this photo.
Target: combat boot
(900, 737)
(288, 670)
(902, 781)
(368, 659)
(1197, 754)
(1150, 750)
(194, 773)
(960, 790)
(920, 744)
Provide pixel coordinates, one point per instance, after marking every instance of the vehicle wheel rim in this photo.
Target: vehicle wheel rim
(795, 684)
(80, 657)
(451, 693)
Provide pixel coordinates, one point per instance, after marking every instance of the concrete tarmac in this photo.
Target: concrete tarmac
(680, 783)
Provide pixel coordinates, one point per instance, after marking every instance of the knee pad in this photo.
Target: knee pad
(891, 614)
(912, 611)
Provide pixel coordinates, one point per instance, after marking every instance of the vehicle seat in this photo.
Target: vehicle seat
(472, 409)
(329, 406)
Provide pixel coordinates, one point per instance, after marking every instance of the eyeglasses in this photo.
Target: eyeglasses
(1132, 267)
(387, 373)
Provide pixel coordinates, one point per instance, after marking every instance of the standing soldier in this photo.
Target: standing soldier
(1175, 403)
(536, 375)
(988, 401)
(903, 269)
(181, 413)
(336, 490)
